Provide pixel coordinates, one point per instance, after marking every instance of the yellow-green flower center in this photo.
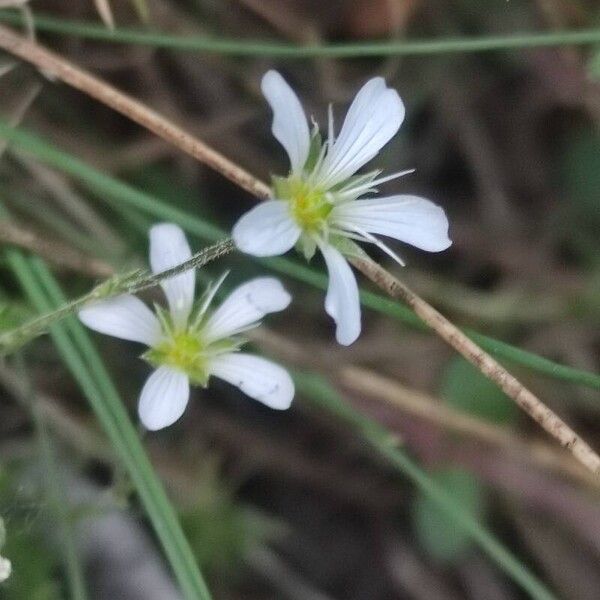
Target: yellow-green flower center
(308, 205)
(185, 352)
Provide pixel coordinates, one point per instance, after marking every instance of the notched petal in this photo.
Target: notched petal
(163, 398)
(290, 126)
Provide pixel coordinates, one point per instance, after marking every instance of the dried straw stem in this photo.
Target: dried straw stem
(56, 66)
(513, 388)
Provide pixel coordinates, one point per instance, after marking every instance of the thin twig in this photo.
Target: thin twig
(53, 65)
(129, 283)
(138, 112)
(367, 383)
(513, 388)
(423, 406)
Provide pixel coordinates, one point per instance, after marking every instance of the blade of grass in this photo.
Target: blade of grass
(128, 283)
(103, 185)
(86, 366)
(235, 47)
(322, 394)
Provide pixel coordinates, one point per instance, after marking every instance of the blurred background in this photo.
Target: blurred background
(301, 505)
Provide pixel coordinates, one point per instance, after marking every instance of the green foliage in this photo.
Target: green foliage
(593, 65)
(220, 530)
(13, 314)
(323, 395)
(107, 187)
(34, 564)
(580, 169)
(444, 541)
(466, 389)
(86, 366)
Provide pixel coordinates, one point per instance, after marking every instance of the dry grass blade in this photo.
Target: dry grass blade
(423, 406)
(69, 73)
(53, 65)
(21, 110)
(105, 12)
(56, 252)
(492, 369)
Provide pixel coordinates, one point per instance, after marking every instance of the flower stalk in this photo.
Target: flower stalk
(127, 283)
(136, 111)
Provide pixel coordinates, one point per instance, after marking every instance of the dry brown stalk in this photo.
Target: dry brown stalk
(62, 69)
(55, 252)
(376, 386)
(55, 66)
(513, 388)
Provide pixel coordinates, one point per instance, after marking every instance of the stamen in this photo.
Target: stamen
(354, 191)
(371, 238)
(212, 289)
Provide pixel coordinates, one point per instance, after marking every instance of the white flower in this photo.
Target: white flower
(191, 344)
(317, 205)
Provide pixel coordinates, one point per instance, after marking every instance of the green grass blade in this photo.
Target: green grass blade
(104, 185)
(86, 366)
(235, 47)
(322, 394)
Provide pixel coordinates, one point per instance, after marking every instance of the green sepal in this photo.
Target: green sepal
(165, 320)
(356, 180)
(306, 246)
(314, 150)
(347, 247)
(280, 187)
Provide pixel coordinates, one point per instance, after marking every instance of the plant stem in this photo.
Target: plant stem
(493, 370)
(56, 66)
(119, 284)
(136, 111)
(235, 47)
(322, 394)
(106, 187)
(85, 364)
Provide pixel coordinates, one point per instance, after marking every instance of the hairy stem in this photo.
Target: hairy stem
(129, 283)
(135, 110)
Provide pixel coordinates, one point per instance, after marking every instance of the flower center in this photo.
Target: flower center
(308, 205)
(185, 352)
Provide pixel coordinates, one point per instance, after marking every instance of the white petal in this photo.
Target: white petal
(373, 118)
(410, 219)
(257, 377)
(290, 127)
(164, 398)
(266, 230)
(169, 248)
(246, 305)
(342, 302)
(5, 569)
(125, 317)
